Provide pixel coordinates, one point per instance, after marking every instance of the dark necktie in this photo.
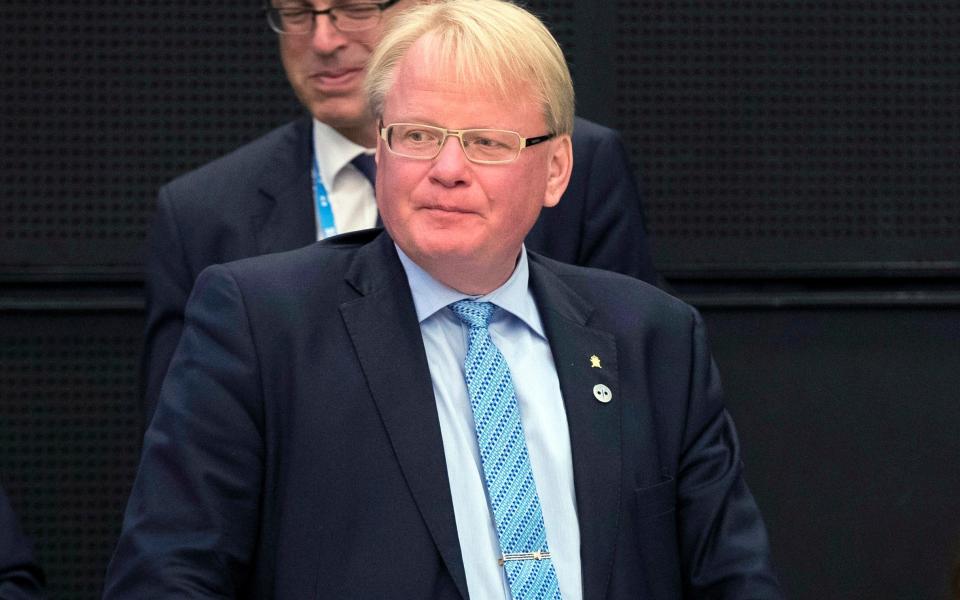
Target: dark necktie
(365, 164)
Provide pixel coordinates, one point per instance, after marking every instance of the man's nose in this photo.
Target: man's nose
(326, 38)
(450, 166)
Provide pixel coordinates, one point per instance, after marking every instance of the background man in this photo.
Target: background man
(433, 411)
(305, 181)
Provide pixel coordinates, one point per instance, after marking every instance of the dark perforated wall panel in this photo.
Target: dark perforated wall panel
(769, 134)
(105, 101)
(849, 420)
(794, 133)
(562, 18)
(69, 437)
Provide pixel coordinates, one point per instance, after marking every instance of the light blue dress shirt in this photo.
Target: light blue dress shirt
(518, 332)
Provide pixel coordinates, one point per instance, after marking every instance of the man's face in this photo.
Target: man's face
(326, 68)
(451, 216)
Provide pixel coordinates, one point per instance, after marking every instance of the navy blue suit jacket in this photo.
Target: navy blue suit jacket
(258, 200)
(296, 450)
(20, 577)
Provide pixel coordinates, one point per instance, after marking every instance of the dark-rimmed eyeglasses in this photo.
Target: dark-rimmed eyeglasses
(484, 146)
(298, 18)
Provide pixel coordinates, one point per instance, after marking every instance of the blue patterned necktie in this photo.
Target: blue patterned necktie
(506, 464)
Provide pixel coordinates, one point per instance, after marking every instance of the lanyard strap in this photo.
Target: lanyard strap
(328, 225)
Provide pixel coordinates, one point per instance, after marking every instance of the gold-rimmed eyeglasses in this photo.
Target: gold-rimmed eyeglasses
(484, 146)
(300, 18)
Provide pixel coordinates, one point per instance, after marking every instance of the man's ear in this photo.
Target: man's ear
(380, 148)
(561, 165)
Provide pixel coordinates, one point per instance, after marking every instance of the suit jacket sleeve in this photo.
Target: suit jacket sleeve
(723, 542)
(169, 280)
(20, 577)
(191, 521)
(613, 234)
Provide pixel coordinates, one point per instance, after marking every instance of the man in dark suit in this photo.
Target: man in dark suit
(262, 197)
(20, 577)
(432, 411)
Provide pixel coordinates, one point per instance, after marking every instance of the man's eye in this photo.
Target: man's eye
(294, 14)
(418, 136)
(363, 11)
(488, 143)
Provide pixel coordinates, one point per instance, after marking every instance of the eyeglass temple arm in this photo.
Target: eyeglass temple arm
(527, 142)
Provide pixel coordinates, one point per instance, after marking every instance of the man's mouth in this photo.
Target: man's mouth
(445, 207)
(336, 76)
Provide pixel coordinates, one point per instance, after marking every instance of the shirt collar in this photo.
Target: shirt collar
(337, 152)
(429, 295)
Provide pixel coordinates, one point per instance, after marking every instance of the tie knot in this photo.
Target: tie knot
(473, 313)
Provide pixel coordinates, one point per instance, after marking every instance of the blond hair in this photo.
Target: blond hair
(489, 42)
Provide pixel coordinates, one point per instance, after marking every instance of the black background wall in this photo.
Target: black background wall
(800, 162)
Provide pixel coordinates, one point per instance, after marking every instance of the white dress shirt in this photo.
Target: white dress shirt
(518, 333)
(349, 192)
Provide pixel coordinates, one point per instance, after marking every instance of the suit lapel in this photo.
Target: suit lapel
(594, 425)
(284, 220)
(383, 326)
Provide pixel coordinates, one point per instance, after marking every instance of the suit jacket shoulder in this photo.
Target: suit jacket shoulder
(615, 297)
(205, 189)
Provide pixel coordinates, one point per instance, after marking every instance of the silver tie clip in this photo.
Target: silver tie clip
(538, 555)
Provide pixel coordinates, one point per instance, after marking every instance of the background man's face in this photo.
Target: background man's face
(326, 68)
(450, 210)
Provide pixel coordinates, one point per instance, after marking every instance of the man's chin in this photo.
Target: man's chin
(339, 117)
(443, 247)
(452, 251)
(337, 110)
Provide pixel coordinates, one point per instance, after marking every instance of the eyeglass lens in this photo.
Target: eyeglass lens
(297, 18)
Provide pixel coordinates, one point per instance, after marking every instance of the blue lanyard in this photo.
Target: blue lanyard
(328, 225)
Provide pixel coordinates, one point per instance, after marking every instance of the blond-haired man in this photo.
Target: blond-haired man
(433, 411)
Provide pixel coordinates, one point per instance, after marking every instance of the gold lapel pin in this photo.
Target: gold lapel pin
(595, 362)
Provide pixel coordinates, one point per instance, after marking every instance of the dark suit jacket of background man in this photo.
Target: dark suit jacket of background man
(258, 200)
(296, 451)
(20, 577)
